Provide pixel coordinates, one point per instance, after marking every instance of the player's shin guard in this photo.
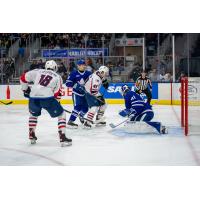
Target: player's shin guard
(32, 127)
(92, 111)
(100, 113)
(61, 130)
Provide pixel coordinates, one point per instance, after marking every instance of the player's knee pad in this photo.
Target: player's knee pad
(93, 109)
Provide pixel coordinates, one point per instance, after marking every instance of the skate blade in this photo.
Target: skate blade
(33, 141)
(100, 125)
(71, 127)
(65, 144)
(86, 127)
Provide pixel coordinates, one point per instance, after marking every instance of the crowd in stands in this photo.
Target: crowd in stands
(74, 40)
(7, 69)
(7, 39)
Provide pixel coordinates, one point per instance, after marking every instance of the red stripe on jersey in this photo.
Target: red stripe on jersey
(23, 78)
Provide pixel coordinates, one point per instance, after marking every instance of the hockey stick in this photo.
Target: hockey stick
(116, 125)
(6, 103)
(67, 111)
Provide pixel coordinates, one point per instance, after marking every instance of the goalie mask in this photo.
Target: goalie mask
(51, 65)
(124, 90)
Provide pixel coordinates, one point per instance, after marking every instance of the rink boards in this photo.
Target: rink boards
(162, 93)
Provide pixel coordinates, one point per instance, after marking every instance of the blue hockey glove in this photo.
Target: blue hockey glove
(132, 114)
(27, 92)
(124, 112)
(79, 87)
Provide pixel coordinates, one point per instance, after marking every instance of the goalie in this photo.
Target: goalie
(138, 110)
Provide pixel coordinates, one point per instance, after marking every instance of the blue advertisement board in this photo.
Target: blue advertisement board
(72, 53)
(114, 89)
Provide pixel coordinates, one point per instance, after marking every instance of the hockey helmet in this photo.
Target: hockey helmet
(104, 70)
(81, 62)
(51, 65)
(81, 65)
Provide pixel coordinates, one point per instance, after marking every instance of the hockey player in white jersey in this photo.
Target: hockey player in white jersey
(44, 93)
(95, 99)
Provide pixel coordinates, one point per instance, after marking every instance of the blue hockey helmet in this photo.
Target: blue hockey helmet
(81, 62)
(124, 89)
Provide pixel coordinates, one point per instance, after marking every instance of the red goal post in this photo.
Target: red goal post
(190, 105)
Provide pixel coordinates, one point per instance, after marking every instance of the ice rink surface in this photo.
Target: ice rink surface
(124, 145)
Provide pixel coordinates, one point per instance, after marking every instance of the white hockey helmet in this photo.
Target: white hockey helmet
(51, 64)
(104, 71)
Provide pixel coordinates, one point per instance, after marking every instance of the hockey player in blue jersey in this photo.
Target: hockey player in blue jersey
(75, 80)
(138, 110)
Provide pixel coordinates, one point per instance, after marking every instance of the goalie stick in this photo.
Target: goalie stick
(116, 125)
(6, 103)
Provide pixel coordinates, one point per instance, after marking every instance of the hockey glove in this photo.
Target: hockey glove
(27, 92)
(105, 83)
(79, 87)
(124, 112)
(101, 100)
(132, 114)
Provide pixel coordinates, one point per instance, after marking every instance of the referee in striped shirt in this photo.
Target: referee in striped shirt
(142, 84)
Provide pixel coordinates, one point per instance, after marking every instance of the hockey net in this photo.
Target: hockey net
(190, 105)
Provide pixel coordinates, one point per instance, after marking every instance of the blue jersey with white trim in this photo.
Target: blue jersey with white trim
(134, 101)
(77, 77)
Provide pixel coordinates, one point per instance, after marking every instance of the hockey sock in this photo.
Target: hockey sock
(90, 115)
(62, 122)
(74, 115)
(32, 122)
(82, 114)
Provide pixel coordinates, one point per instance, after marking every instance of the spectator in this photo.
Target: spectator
(33, 65)
(62, 71)
(121, 68)
(40, 64)
(182, 75)
(21, 52)
(167, 77)
(153, 75)
(89, 65)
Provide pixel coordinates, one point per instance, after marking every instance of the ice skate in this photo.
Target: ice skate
(32, 136)
(72, 125)
(81, 120)
(163, 130)
(87, 125)
(64, 141)
(100, 121)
